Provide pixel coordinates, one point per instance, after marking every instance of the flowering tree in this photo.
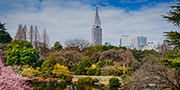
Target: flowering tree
(10, 80)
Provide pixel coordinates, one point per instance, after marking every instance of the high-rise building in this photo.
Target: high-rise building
(140, 42)
(97, 30)
(125, 41)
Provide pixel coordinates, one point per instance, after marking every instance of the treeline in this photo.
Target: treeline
(33, 35)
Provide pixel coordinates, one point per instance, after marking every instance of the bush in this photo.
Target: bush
(48, 66)
(68, 79)
(86, 80)
(80, 69)
(91, 81)
(80, 81)
(31, 72)
(21, 52)
(91, 72)
(114, 81)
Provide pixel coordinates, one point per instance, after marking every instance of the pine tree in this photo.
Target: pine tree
(4, 36)
(174, 17)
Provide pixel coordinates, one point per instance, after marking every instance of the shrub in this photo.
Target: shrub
(86, 80)
(60, 70)
(91, 72)
(81, 68)
(68, 79)
(80, 81)
(91, 81)
(114, 81)
(31, 72)
(21, 52)
(48, 66)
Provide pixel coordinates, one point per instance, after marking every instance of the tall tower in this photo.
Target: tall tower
(97, 30)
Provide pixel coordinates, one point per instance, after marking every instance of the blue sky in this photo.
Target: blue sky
(69, 19)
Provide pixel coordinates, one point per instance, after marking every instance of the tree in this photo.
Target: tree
(36, 37)
(81, 43)
(174, 17)
(19, 33)
(45, 40)
(4, 36)
(10, 80)
(21, 52)
(57, 46)
(154, 73)
(31, 34)
(174, 14)
(174, 37)
(24, 32)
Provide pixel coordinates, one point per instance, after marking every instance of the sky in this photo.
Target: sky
(70, 19)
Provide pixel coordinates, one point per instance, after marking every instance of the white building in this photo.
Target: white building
(152, 45)
(125, 41)
(97, 30)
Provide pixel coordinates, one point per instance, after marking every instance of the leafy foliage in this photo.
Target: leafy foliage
(80, 69)
(174, 37)
(21, 52)
(86, 80)
(60, 69)
(172, 63)
(114, 81)
(174, 17)
(174, 14)
(31, 72)
(48, 66)
(57, 46)
(4, 36)
(89, 51)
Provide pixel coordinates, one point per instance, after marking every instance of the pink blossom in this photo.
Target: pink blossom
(10, 80)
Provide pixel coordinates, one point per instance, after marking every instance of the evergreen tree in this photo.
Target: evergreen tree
(174, 17)
(4, 36)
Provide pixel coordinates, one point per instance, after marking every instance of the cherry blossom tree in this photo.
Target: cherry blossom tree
(10, 80)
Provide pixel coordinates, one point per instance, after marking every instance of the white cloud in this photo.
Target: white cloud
(133, 1)
(67, 20)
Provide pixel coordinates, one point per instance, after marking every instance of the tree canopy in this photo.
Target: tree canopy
(4, 35)
(57, 46)
(21, 52)
(174, 17)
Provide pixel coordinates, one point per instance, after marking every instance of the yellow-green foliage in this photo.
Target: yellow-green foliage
(31, 72)
(60, 69)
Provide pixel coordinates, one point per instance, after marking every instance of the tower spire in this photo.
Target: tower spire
(97, 19)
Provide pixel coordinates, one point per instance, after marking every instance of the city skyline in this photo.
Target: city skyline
(73, 19)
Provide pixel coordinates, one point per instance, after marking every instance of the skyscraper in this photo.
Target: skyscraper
(97, 30)
(140, 42)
